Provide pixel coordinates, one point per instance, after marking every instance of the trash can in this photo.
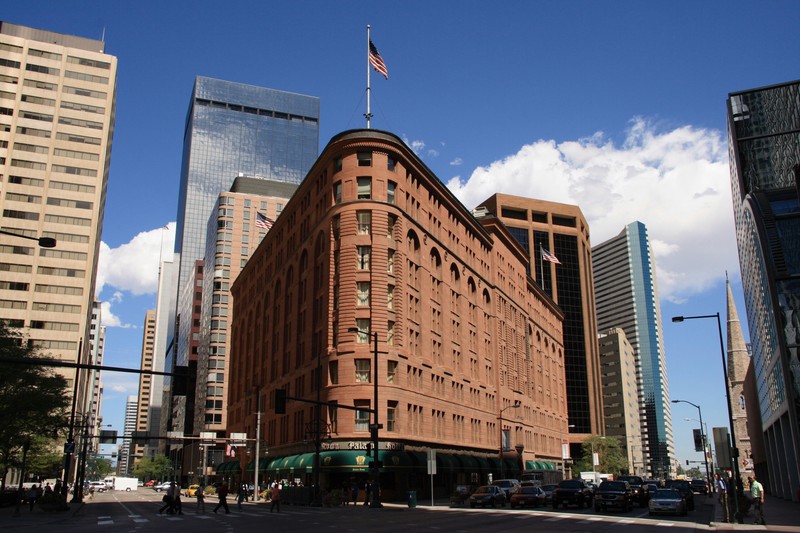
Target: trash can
(412, 498)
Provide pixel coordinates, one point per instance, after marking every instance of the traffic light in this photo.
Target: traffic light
(280, 401)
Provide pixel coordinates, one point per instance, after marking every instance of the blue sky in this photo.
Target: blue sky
(617, 107)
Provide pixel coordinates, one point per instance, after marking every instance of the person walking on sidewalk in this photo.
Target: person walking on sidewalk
(757, 493)
(222, 492)
(722, 490)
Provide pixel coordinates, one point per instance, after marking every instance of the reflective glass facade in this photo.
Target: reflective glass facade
(626, 297)
(764, 151)
(233, 128)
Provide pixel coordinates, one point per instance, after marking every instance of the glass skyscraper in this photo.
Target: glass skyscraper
(235, 129)
(626, 296)
(764, 152)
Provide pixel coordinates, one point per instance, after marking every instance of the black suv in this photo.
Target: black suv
(682, 486)
(572, 491)
(641, 494)
(616, 494)
(699, 485)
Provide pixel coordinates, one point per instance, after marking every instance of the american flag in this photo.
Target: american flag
(263, 222)
(376, 60)
(547, 256)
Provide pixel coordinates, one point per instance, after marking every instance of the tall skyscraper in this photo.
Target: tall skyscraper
(234, 129)
(145, 410)
(764, 151)
(562, 231)
(125, 455)
(57, 98)
(626, 296)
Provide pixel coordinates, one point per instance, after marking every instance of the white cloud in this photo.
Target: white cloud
(433, 152)
(133, 266)
(108, 318)
(416, 146)
(675, 182)
(456, 162)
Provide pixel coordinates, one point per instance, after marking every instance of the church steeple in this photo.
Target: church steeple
(739, 362)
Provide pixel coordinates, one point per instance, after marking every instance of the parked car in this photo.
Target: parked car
(528, 495)
(682, 486)
(98, 486)
(488, 495)
(509, 486)
(613, 494)
(162, 486)
(640, 490)
(572, 492)
(548, 493)
(699, 486)
(667, 501)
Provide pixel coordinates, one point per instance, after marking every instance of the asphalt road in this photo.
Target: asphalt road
(137, 511)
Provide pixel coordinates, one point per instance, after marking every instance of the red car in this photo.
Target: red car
(150, 483)
(528, 496)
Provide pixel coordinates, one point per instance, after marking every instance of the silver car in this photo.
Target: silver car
(667, 501)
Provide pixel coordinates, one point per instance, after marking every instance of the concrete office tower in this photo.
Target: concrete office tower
(620, 376)
(764, 150)
(125, 456)
(469, 349)
(57, 95)
(626, 296)
(562, 230)
(233, 128)
(146, 390)
(97, 337)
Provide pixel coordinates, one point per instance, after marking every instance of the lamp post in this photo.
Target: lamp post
(702, 437)
(375, 500)
(515, 405)
(734, 451)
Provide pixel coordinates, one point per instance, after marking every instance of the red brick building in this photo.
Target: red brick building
(470, 351)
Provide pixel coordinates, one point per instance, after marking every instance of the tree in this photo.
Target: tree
(33, 401)
(158, 467)
(610, 454)
(97, 468)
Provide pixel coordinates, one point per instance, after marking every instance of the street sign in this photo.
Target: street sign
(238, 439)
(432, 462)
(69, 447)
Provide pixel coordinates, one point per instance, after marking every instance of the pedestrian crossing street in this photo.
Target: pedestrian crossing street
(192, 516)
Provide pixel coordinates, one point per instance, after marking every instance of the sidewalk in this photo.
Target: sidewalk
(780, 515)
(37, 518)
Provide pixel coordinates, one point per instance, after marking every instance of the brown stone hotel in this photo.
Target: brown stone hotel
(374, 259)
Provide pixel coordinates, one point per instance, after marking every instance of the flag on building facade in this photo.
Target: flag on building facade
(547, 256)
(263, 222)
(376, 61)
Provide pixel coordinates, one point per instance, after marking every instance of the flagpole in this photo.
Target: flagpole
(541, 265)
(368, 114)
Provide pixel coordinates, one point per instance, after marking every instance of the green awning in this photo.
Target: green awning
(228, 467)
(548, 465)
(344, 460)
(393, 459)
(447, 461)
(494, 464)
(540, 465)
(510, 465)
(418, 459)
(469, 463)
(305, 463)
(483, 463)
(272, 465)
(262, 465)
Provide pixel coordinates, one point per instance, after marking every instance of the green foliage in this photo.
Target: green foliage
(158, 467)
(611, 455)
(33, 404)
(97, 468)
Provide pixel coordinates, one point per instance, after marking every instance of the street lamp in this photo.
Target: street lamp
(515, 405)
(44, 242)
(732, 444)
(375, 426)
(702, 438)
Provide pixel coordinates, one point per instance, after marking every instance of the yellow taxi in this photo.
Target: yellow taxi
(191, 492)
